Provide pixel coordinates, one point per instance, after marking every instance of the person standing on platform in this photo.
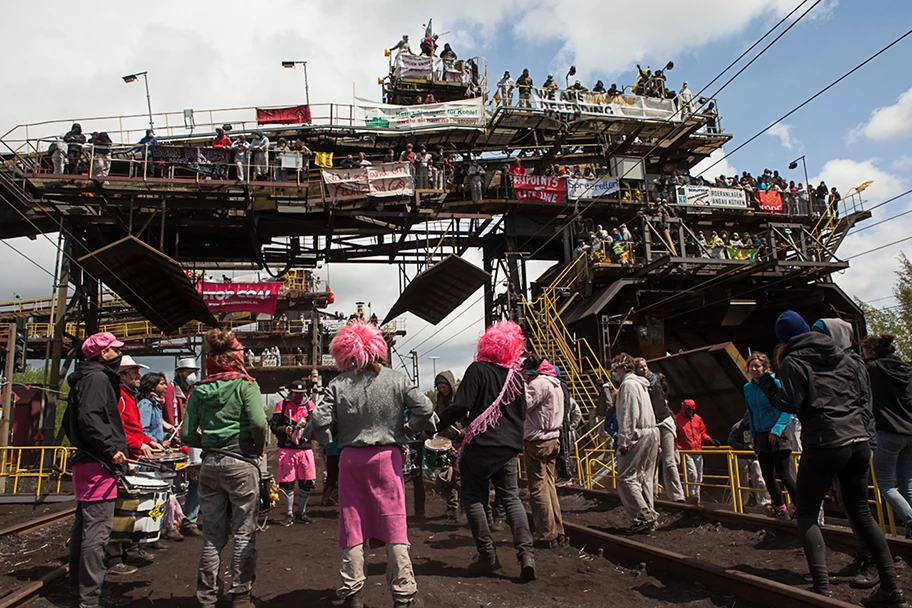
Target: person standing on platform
(820, 384)
(225, 413)
(668, 452)
(637, 444)
(541, 445)
(368, 403)
(241, 149)
(93, 426)
(259, 145)
(492, 396)
(476, 180)
(296, 458)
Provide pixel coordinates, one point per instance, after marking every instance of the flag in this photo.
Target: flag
(863, 186)
(742, 253)
(323, 159)
(429, 30)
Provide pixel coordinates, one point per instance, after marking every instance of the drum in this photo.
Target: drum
(172, 467)
(439, 450)
(411, 458)
(268, 495)
(140, 507)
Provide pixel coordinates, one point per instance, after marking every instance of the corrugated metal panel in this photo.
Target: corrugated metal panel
(713, 376)
(437, 291)
(151, 282)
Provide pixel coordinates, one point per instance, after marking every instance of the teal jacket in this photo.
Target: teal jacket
(226, 415)
(762, 416)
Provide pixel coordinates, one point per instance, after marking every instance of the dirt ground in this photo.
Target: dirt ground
(298, 567)
(771, 554)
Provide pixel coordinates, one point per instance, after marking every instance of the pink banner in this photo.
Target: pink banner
(539, 188)
(240, 297)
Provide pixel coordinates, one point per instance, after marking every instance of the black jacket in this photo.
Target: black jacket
(821, 385)
(477, 391)
(891, 384)
(278, 423)
(657, 390)
(92, 421)
(739, 435)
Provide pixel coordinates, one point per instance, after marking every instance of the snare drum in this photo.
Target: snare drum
(140, 508)
(438, 452)
(173, 469)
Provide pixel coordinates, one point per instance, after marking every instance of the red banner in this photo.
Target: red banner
(292, 115)
(768, 200)
(240, 297)
(539, 188)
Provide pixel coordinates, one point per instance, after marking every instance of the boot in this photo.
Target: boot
(484, 566)
(242, 601)
(883, 598)
(354, 600)
(412, 602)
(867, 575)
(527, 567)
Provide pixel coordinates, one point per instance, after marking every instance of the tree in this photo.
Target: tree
(897, 319)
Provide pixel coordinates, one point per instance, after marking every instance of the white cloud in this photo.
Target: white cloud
(889, 122)
(722, 168)
(783, 132)
(903, 163)
(846, 174)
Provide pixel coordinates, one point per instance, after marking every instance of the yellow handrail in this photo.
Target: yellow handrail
(41, 463)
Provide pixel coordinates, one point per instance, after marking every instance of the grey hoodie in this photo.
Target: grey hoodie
(634, 409)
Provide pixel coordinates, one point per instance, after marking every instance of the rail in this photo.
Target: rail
(598, 470)
(45, 465)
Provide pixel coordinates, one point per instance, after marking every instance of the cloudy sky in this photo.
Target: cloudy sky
(69, 58)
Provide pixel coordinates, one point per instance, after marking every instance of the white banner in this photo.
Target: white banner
(416, 66)
(587, 188)
(386, 179)
(463, 113)
(567, 101)
(705, 196)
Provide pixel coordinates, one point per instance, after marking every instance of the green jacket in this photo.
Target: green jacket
(225, 415)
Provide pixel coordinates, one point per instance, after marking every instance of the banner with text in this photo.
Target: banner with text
(240, 297)
(768, 201)
(539, 188)
(588, 188)
(705, 196)
(292, 115)
(462, 113)
(419, 67)
(385, 179)
(188, 155)
(568, 101)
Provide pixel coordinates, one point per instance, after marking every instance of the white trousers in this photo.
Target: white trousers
(636, 474)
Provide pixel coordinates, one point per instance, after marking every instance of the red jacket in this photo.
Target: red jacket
(129, 414)
(221, 142)
(173, 412)
(691, 429)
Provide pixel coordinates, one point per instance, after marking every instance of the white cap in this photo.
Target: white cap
(187, 363)
(126, 362)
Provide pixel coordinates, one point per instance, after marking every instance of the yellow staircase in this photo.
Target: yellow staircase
(580, 367)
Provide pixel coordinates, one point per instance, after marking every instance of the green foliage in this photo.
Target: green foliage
(432, 395)
(897, 319)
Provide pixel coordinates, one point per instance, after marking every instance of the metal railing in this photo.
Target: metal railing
(45, 465)
(598, 470)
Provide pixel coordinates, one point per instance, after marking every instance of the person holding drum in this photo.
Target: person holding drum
(368, 403)
(296, 457)
(149, 402)
(92, 424)
(447, 479)
(185, 376)
(225, 417)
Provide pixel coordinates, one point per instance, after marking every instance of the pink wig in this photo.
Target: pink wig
(356, 345)
(502, 344)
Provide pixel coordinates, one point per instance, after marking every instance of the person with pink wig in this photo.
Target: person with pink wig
(368, 403)
(492, 396)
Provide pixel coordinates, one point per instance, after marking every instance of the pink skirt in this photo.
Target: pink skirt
(371, 497)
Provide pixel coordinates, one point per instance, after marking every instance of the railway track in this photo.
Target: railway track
(38, 523)
(898, 546)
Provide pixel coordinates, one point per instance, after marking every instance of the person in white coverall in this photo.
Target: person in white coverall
(638, 444)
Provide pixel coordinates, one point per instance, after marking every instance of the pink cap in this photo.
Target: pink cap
(98, 343)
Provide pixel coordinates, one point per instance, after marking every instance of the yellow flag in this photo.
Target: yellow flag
(323, 159)
(863, 186)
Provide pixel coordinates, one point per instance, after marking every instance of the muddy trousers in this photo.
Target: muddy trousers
(539, 458)
(636, 475)
(400, 578)
(850, 464)
(224, 482)
(91, 531)
(479, 468)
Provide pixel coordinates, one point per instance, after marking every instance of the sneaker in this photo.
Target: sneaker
(481, 566)
(497, 525)
(782, 512)
(885, 599)
(191, 530)
(173, 535)
(288, 521)
(527, 567)
(563, 540)
(121, 569)
(303, 518)
(110, 601)
(866, 576)
(412, 602)
(824, 591)
(353, 601)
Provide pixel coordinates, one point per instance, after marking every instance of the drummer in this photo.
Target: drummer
(186, 374)
(447, 480)
(296, 457)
